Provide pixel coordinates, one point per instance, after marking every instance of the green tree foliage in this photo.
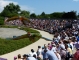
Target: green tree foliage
(1, 20)
(78, 15)
(43, 15)
(56, 15)
(69, 15)
(25, 13)
(10, 10)
(33, 15)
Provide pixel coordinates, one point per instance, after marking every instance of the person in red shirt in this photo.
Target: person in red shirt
(76, 55)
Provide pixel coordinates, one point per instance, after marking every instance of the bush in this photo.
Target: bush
(7, 46)
(1, 20)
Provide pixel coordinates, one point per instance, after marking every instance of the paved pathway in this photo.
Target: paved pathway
(27, 49)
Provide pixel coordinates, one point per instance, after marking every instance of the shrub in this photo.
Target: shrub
(1, 20)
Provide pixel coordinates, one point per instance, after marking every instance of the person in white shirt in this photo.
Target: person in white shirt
(51, 55)
(59, 57)
(31, 58)
(61, 44)
(39, 52)
(71, 43)
(32, 53)
(19, 57)
(54, 50)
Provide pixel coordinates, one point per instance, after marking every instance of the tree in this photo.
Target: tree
(1, 20)
(56, 15)
(78, 16)
(43, 15)
(25, 13)
(33, 15)
(10, 10)
(69, 15)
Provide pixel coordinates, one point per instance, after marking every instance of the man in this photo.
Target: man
(69, 52)
(54, 49)
(39, 51)
(71, 44)
(62, 53)
(31, 58)
(32, 53)
(45, 57)
(51, 55)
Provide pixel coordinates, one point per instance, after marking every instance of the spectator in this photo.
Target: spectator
(15, 57)
(39, 51)
(32, 53)
(24, 57)
(76, 55)
(58, 54)
(69, 52)
(62, 53)
(51, 55)
(45, 57)
(19, 57)
(31, 58)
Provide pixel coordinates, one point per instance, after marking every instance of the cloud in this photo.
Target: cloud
(3, 3)
(76, 0)
(27, 8)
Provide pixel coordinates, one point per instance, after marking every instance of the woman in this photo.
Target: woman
(19, 57)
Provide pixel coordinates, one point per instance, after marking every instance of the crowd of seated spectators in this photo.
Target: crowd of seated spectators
(63, 45)
(51, 26)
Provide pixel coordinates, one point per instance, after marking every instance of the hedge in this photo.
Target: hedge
(7, 46)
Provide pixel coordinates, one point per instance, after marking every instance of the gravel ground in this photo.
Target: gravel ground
(10, 32)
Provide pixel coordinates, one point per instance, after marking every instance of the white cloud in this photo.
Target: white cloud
(27, 8)
(32, 11)
(3, 3)
(76, 0)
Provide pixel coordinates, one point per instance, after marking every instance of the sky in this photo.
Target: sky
(47, 6)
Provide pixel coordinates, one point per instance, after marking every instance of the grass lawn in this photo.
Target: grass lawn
(7, 46)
